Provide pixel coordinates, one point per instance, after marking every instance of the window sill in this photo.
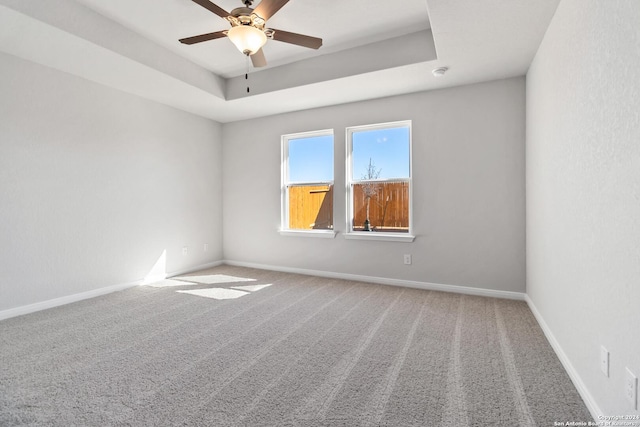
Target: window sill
(324, 234)
(372, 235)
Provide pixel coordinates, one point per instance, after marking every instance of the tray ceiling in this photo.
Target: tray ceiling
(371, 49)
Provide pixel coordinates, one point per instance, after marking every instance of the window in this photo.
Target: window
(307, 184)
(379, 182)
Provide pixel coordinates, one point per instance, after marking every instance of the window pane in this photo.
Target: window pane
(307, 195)
(311, 207)
(388, 204)
(311, 159)
(381, 153)
(380, 177)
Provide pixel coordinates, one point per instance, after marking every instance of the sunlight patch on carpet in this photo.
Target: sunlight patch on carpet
(224, 293)
(211, 279)
(216, 293)
(167, 283)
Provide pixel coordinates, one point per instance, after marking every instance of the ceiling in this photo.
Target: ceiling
(371, 49)
(339, 23)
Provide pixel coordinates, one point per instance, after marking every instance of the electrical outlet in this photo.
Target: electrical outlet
(206, 247)
(185, 251)
(407, 259)
(631, 388)
(604, 361)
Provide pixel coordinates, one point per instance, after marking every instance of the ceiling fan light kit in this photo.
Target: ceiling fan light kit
(247, 39)
(248, 32)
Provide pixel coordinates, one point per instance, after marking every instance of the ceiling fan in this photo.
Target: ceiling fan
(248, 30)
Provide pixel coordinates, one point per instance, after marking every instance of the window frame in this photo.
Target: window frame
(350, 181)
(285, 184)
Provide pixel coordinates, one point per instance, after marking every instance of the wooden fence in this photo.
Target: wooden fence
(311, 207)
(388, 206)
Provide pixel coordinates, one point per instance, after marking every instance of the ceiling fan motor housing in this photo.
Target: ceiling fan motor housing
(245, 16)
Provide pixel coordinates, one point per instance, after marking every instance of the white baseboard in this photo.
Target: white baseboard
(56, 302)
(43, 305)
(588, 399)
(387, 281)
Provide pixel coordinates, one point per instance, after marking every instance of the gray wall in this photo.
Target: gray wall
(583, 191)
(468, 171)
(97, 184)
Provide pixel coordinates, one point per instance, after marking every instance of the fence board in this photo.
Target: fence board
(388, 206)
(311, 207)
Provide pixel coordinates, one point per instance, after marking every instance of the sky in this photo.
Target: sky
(388, 150)
(311, 159)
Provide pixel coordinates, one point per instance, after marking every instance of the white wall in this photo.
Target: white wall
(468, 170)
(96, 184)
(583, 191)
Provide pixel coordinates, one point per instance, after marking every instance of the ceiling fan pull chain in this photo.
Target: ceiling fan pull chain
(246, 74)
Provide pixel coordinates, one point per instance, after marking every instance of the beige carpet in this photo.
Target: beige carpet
(233, 346)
